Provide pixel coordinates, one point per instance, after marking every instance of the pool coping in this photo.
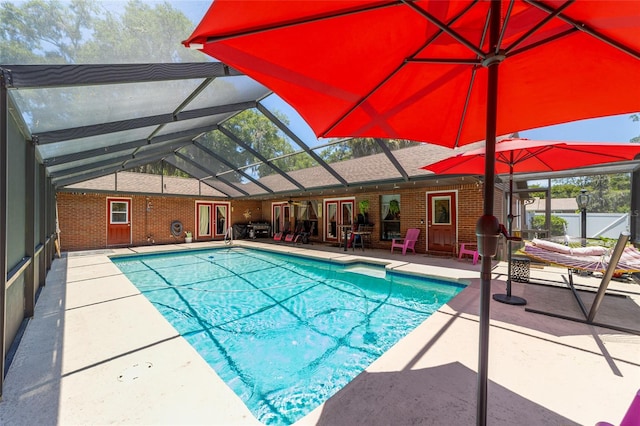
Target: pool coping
(404, 267)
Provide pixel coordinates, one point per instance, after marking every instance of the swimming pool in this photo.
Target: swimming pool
(284, 332)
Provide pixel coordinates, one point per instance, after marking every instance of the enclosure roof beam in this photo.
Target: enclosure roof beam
(227, 163)
(259, 156)
(148, 156)
(210, 172)
(43, 76)
(393, 159)
(64, 181)
(70, 134)
(182, 135)
(275, 120)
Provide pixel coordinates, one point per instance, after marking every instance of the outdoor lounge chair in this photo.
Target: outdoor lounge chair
(280, 236)
(295, 235)
(408, 242)
(618, 260)
(306, 235)
(589, 258)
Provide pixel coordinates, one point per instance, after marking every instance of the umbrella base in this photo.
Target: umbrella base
(511, 300)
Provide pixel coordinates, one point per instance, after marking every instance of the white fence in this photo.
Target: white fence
(608, 225)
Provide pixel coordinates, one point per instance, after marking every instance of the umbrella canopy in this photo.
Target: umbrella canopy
(429, 71)
(417, 69)
(523, 155)
(530, 156)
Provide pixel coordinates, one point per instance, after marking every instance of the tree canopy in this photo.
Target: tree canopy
(609, 193)
(85, 32)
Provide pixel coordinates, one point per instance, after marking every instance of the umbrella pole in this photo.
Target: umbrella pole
(508, 298)
(488, 227)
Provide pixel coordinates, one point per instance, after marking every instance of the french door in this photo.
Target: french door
(338, 217)
(280, 221)
(212, 220)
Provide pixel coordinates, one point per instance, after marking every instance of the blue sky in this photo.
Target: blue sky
(619, 128)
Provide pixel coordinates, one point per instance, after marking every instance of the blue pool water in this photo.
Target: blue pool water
(284, 332)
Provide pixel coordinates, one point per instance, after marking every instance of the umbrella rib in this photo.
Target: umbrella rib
(466, 106)
(470, 89)
(411, 59)
(306, 20)
(541, 42)
(539, 25)
(583, 27)
(445, 27)
(504, 27)
(443, 61)
(394, 72)
(533, 152)
(547, 165)
(501, 158)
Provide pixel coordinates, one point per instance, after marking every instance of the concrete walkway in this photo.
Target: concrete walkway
(97, 352)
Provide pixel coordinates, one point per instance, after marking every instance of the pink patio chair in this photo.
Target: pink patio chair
(408, 242)
(470, 249)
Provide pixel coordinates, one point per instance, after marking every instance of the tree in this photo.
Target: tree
(160, 168)
(558, 224)
(565, 190)
(609, 193)
(257, 131)
(142, 34)
(635, 117)
(45, 31)
(82, 31)
(360, 147)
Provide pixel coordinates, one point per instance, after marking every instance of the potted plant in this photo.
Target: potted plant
(364, 211)
(188, 237)
(394, 209)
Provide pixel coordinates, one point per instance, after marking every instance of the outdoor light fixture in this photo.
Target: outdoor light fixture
(583, 199)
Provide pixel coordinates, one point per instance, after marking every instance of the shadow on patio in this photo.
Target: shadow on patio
(442, 395)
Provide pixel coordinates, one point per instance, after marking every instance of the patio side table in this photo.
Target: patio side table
(520, 266)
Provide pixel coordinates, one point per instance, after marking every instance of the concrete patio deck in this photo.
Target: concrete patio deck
(97, 352)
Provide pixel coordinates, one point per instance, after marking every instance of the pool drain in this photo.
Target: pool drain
(134, 372)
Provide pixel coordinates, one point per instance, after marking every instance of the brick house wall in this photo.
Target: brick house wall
(413, 211)
(83, 218)
(83, 215)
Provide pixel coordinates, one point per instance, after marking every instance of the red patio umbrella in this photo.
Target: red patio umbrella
(428, 71)
(530, 156)
(519, 155)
